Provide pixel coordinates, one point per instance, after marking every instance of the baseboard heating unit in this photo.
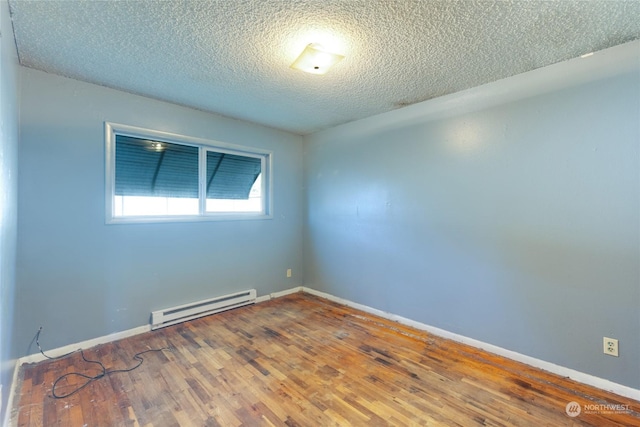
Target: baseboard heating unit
(182, 313)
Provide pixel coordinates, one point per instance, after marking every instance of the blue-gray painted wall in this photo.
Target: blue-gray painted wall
(80, 278)
(9, 78)
(516, 225)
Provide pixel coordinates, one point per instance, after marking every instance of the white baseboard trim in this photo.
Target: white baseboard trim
(57, 352)
(581, 377)
(278, 294)
(578, 376)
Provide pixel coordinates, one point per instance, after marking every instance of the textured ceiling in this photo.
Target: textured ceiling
(232, 57)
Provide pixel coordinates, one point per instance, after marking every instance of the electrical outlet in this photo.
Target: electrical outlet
(610, 346)
(289, 272)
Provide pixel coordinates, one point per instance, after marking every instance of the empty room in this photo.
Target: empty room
(319, 213)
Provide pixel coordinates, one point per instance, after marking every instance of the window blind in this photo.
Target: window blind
(160, 169)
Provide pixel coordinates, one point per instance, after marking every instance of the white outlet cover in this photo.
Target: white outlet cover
(610, 346)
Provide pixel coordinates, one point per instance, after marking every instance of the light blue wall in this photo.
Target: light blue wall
(516, 225)
(82, 279)
(8, 197)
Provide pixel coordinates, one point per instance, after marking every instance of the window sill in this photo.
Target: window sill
(188, 218)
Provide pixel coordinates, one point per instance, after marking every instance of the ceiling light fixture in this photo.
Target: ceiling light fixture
(315, 59)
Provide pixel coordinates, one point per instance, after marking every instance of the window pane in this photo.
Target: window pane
(233, 183)
(142, 206)
(155, 178)
(155, 169)
(252, 204)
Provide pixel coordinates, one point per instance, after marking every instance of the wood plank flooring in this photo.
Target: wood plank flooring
(300, 360)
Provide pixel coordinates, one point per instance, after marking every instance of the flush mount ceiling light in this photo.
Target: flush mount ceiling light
(315, 59)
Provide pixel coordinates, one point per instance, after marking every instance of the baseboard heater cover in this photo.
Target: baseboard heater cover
(182, 313)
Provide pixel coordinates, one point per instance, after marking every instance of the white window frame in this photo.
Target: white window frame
(114, 129)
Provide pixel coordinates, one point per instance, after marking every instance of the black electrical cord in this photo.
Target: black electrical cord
(105, 372)
(42, 351)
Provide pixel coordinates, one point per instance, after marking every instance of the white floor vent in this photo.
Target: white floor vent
(182, 313)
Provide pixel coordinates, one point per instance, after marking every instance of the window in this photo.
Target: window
(155, 176)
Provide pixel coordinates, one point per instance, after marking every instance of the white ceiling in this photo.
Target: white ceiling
(232, 57)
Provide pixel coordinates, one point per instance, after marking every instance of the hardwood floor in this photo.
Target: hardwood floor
(304, 361)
